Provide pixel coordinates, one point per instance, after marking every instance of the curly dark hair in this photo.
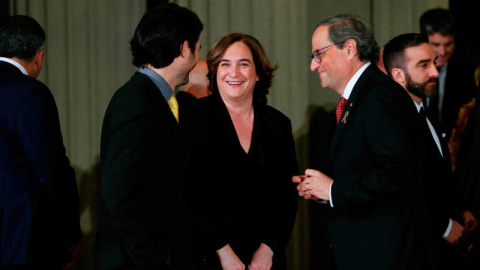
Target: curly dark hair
(263, 67)
(160, 33)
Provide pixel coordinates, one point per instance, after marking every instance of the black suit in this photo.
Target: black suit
(145, 220)
(377, 221)
(439, 184)
(39, 204)
(459, 90)
(249, 198)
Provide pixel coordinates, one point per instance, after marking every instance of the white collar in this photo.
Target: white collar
(348, 89)
(419, 106)
(8, 60)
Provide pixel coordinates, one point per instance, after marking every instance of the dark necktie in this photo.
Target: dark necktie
(340, 106)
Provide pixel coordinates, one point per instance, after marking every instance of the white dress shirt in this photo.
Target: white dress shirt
(8, 60)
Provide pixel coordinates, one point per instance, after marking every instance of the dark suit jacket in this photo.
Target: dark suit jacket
(145, 220)
(377, 221)
(459, 90)
(249, 198)
(39, 206)
(438, 178)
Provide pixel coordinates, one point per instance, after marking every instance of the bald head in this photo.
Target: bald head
(198, 81)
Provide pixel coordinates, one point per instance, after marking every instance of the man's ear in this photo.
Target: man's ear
(185, 49)
(398, 75)
(350, 48)
(38, 60)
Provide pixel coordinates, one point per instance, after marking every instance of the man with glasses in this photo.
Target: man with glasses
(370, 184)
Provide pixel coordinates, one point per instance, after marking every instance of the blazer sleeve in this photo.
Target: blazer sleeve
(281, 206)
(388, 130)
(38, 128)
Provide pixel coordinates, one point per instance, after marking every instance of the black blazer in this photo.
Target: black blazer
(249, 199)
(39, 202)
(377, 221)
(144, 162)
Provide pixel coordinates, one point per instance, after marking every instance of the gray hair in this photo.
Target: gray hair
(344, 27)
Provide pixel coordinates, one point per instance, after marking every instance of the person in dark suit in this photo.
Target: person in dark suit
(456, 76)
(145, 220)
(39, 203)
(376, 218)
(410, 61)
(248, 155)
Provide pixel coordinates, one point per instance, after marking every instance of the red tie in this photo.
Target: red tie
(340, 106)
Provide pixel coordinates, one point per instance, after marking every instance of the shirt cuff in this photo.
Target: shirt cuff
(330, 195)
(449, 228)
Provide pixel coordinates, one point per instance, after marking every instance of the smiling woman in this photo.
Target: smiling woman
(247, 157)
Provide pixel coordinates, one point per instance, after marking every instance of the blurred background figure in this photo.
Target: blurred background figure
(197, 86)
(456, 76)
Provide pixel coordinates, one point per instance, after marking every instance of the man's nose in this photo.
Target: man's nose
(314, 65)
(441, 50)
(433, 72)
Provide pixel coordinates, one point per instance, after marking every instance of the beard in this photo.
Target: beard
(422, 90)
(186, 75)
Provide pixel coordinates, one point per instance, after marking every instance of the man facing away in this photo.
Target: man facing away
(456, 83)
(410, 61)
(145, 221)
(376, 213)
(39, 202)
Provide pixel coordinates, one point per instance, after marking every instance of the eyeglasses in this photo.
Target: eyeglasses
(317, 55)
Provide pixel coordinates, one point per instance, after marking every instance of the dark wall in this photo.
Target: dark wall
(4, 9)
(468, 37)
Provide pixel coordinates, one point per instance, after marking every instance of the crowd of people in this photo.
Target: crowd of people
(207, 178)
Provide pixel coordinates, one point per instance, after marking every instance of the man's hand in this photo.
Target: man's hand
(455, 234)
(314, 185)
(229, 259)
(262, 259)
(470, 222)
(299, 179)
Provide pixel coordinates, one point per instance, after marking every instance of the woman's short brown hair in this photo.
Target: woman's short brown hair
(262, 65)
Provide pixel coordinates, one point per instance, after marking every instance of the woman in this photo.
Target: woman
(248, 156)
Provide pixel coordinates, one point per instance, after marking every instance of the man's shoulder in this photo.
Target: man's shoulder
(378, 84)
(134, 91)
(459, 67)
(19, 85)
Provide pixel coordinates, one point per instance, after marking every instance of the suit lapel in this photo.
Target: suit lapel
(348, 111)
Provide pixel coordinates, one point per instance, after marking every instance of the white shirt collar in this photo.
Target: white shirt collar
(348, 89)
(419, 106)
(8, 60)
